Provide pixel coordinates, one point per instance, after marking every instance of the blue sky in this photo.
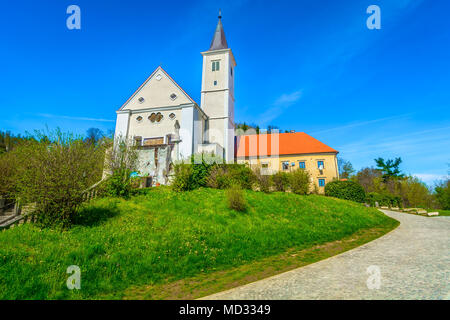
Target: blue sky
(310, 66)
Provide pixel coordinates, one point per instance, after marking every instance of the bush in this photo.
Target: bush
(199, 171)
(263, 181)
(347, 190)
(299, 181)
(182, 179)
(121, 161)
(119, 184)
(236, 200)
(383, 199)
(223, 176)
(280, 181)
(52, 171)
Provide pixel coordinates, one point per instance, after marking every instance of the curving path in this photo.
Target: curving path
(413, 260)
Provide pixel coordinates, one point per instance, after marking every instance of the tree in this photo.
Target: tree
(442, 193)
(345, 168)
(389, 168)
(414, 192)
(94, 135)
(369, 179)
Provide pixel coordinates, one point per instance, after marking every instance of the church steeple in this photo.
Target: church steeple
(219, 42)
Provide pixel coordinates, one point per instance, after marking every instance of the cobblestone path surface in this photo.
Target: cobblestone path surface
(413, 263)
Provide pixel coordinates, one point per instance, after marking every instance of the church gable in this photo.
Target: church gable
(159, 90)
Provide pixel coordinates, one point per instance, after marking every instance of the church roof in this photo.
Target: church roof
(288, 143)
(219, 42)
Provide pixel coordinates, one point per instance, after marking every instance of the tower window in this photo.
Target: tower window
(231, 71)
(215, 66)
(141, 100)
(173, 96)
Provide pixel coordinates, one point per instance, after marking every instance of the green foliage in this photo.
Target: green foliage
(442, 192)
(224, 176)
(52, 171)
(389, 168)
(7, 171)
(200, 166)
(182, 177)
(413, 192)
(280, 181)
(8, 141)
(348, 190)
(299, 181)
(164, 236)
(263, 181)
(384, 200)
(345, 168)
(121, 161)
(236, 199)
(370, 179)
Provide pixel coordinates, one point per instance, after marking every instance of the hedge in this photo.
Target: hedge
(347, 190)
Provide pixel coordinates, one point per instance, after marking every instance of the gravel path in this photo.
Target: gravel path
(413, 262)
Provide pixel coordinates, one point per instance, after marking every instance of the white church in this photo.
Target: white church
(167, 125)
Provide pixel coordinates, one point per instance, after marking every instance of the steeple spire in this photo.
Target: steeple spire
(219, 42)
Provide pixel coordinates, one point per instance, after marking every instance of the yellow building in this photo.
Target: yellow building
(289, 151)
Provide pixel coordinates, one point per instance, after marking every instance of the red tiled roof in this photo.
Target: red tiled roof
(288, 143)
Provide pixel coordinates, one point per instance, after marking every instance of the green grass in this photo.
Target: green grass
(161, 238)
(443, 212)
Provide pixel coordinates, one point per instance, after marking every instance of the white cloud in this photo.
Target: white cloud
(279, 106)
(46, 115)
(288, 99)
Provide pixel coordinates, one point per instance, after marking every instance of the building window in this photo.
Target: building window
(320, 165)
(231, 71)
(156, 117)
(264, 165)
(215, 82)
(301, 164)
(321, 182)
(215, 66)
(138, 141)
(285, 165)
(139, 119)
(141, 100)
(173, 96)
(172, 116)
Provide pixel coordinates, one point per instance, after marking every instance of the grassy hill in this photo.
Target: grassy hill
(127, 248)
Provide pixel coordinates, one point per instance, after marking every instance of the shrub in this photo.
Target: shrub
(348, 190)
(52, 171)
(119, 184)
(182, 177)
(121, 161)
(236, 200)
(199, 171)
(263, 181)
(241, 174)
(223, 176)
(299, 181)
(280, 181)
(383, 199)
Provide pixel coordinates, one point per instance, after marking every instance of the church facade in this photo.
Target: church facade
(167, 125)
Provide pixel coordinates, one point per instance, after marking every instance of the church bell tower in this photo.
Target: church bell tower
(217, 96)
